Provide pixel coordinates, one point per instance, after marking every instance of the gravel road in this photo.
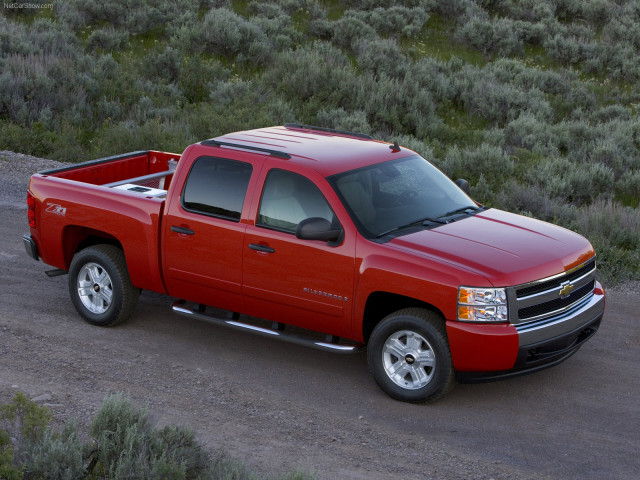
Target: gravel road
(279, 407)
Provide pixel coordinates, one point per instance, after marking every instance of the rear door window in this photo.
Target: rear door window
(217, 187)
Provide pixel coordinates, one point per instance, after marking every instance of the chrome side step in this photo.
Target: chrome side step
(277, 331)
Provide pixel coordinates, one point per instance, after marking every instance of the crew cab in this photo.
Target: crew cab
(327, 238)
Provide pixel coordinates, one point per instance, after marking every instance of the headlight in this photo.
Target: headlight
(482, 305)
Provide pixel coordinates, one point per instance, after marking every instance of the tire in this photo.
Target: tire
(409, 356)
(100, 287)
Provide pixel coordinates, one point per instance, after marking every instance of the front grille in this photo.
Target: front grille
(556, 304)
(556, 282)
(544, 299)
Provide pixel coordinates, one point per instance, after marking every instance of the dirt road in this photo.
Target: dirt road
(280, 407)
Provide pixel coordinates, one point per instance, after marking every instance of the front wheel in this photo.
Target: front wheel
(409, 356)
(100, 287)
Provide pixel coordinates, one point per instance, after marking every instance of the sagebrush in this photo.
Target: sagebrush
(534, 102)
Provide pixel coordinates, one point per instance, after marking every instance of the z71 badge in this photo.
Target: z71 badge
(56, 209)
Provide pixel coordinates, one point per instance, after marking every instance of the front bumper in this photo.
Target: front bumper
(532, 346)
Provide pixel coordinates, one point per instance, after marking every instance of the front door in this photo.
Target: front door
(307, 283)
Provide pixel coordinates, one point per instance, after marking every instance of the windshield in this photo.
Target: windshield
(395, 195)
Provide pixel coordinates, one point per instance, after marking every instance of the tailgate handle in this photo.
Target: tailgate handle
(261, 248)
(182, 230)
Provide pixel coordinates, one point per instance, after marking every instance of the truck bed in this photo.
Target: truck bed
(147, 168)
(119, 199)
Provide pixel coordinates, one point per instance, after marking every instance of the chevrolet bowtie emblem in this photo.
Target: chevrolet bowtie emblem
(566, 290)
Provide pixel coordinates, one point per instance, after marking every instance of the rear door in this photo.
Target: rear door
(204, 233)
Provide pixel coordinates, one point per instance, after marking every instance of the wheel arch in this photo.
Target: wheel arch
(76, 238)
(380, 304)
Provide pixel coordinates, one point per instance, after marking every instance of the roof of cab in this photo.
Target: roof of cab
(326, 151)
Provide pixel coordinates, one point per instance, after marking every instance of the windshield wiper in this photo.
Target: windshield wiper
(415, 223)
(459, 210)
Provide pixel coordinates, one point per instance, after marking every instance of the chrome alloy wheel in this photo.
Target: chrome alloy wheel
(408, 359)
(94, 288)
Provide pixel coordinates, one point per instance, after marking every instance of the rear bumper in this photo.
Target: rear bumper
(539, 345)
(30, 246)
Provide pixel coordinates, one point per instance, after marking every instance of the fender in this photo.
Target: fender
(395, 272)
(131, 221)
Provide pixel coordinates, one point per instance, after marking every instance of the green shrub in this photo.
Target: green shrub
(569, 50)
(128, 445)
(453, 9)
(595, 12)
(381, 57)
(346, 31)
(470, 163)
(395, 20)
(276, 25)
(526, 78)
(482, 94)
(25, 423)
(127, 136)
(195, 69)
(108, 39)
(628, 188)
(34, 140)
(165, 65)
(56, 456)
(118, 426)
(226, 33)
(495, 36)
(8, 471)
(434, 76)
(581, 184)
(196, 76)
(394, 105)
(613, 229)
(530, 133)
(340, 119)
(371, 4)
(318, 72)
(137, 16)
(529, 10)
(532, 200)
(623, 29)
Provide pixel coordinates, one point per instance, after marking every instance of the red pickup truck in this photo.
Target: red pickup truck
(326, 238)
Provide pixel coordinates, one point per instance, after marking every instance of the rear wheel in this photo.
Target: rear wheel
(100, 287)
(409, 356)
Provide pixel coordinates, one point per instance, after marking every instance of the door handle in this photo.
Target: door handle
(261, 248)
(182, 230)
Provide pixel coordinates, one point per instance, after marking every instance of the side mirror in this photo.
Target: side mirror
(317, 228)
(463, 185)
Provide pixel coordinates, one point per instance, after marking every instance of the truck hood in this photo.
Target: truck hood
(505, 248)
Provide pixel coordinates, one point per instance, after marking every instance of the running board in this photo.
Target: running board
(55, 273)
(179, 306)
